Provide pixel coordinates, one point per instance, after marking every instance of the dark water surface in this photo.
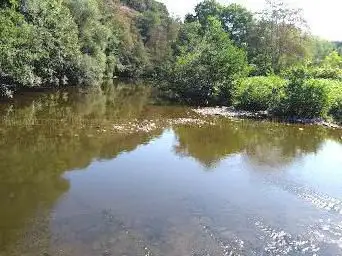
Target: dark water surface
(105, 172)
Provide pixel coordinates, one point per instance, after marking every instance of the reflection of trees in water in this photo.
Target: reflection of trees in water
(208, 143)
(62, 131)
(110, 102)
(262, 142)
(44, 136)
(279, 144)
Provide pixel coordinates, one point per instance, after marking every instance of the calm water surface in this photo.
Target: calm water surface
(106, 172)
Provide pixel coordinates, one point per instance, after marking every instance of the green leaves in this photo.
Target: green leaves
(259, 93)
(206, 67)
(55, 42)
(333, 60)
(36, 48)
(16, 42)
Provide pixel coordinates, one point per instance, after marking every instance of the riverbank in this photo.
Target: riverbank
(231, 112)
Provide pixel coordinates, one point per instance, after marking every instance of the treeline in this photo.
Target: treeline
(60, 42)
(220, 54)
(256, 61)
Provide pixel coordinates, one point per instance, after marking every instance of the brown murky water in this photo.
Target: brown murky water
(105, 172)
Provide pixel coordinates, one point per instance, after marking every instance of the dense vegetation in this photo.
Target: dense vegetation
(260, 62)
(60, 42)
(222, 55)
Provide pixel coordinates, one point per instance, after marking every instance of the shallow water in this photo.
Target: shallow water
(106, 172)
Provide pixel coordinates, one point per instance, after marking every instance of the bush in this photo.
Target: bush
(335, 98)
(307, 98)
(96, 39)
(36, 48)
(259, 93)
(326, 73)
(336, 110)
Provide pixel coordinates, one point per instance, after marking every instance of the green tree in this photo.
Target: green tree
(16, 58)
(236, 20)
(206, 9)
(278, 39)
(320, 49)
(205, 71)
(36, 48)
(333, 60)
(97, 39)
(56, 42)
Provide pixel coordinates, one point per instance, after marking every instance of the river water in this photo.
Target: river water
(109, 172)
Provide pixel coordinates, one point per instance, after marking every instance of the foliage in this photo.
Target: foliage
(41, 49)
(259, 93)
(54, 43)
(320, 49)
(278, 39)
(15, 48)
(326, 73)
(299, 96)
(335, 97)
(336, 110)
(333, 60)
(205, 71)
(205, 59)
(338, 47)
(274, 39)
(305, 98)
(236, 20)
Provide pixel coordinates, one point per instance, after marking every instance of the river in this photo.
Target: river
(110, 172)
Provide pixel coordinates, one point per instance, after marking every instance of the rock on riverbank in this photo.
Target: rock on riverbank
(230, 112)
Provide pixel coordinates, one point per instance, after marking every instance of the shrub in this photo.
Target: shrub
(36, 48)
(326, 73)
(259, 93)
(307, 98)
(336, 110)
(335, 98)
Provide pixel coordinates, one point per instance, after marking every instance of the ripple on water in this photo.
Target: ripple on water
(279, 242)
(318, 200)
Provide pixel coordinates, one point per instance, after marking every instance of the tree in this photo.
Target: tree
(235, 19)
(206, 9)
(204, 72)
(56, 42)
(279, 39)
(320, 49)
(36, 48)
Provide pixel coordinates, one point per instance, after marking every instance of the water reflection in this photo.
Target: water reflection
(263, 143)
(209, 144)
(109, 153)
(44, 135)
